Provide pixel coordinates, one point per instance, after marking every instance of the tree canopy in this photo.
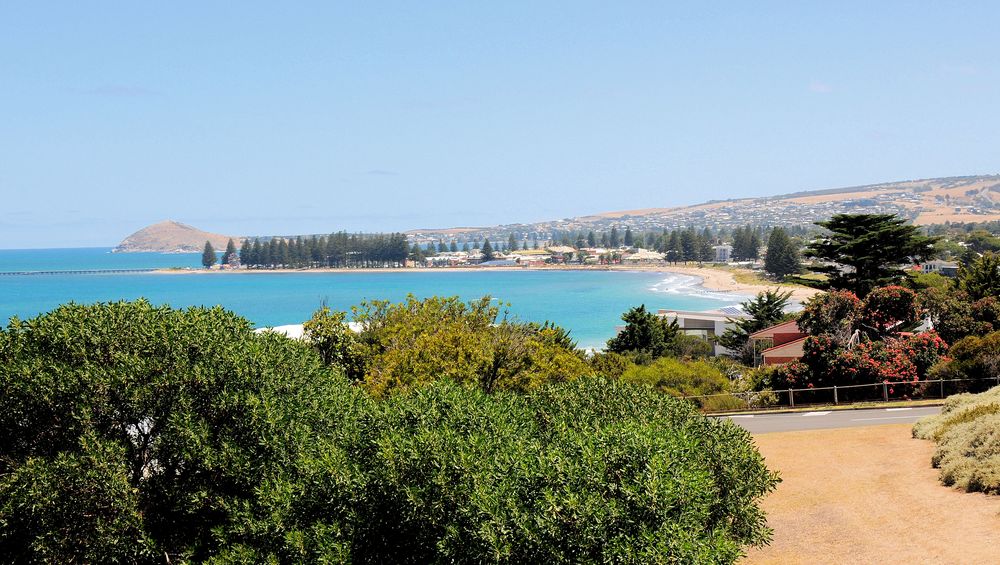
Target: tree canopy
(868, 250)
(782, 257)
(208, 257)
(763, 311)
(138, 434)
(645, 333)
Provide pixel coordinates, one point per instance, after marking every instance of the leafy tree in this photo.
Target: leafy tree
(981, 277)
(330, 335)
(782, 257)
(645, 333)
(955, 315)
(764, 311)
(889, 310)
(684, 378)
(868, 250)
(134, 433)
(487, 250)
(588, 471)
(409, 344)
(832, 313)
(208, 256)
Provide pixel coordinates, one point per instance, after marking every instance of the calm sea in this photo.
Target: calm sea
(589, 303)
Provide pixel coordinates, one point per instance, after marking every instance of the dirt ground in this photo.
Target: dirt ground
(869, 495)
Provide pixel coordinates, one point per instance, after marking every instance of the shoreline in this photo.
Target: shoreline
(715, 279)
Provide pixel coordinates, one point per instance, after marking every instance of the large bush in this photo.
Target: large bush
(686, 378)
(967, 432)
(131, 433)
(408, 344)
(974, 358)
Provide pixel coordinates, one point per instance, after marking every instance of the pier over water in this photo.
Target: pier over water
(76, 272)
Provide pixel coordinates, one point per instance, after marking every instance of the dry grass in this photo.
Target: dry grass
(968, 435)
(868, 495)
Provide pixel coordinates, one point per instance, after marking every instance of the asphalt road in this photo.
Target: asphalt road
(826, 419)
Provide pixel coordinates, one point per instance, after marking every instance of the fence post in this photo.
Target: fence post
(885, 392)
(835, 395)
(791, 399)
(942, 388)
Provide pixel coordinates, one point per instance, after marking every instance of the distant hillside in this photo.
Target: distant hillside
(171, 237)
(925, 201)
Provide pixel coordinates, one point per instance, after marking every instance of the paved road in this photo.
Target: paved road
(825, 419)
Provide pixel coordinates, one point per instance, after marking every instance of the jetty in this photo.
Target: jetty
(75, 272)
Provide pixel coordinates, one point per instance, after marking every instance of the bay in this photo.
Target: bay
(589, 303)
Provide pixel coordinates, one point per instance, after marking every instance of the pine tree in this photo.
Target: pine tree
(246, 253)
(782, 255)
(613, 239)
(453, 247)
(689, 245)
(487, 250)
(511, 241)
(591, 239)
(874, 248)
(208, 257)
(465, 246)
(229, 254)
(629, 239)
(675, 251)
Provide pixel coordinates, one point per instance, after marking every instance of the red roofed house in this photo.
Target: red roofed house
(778, 344)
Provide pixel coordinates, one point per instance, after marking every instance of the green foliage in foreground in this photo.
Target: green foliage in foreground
(411, 343)
(967, 432)
(131, 433)
(680, 378)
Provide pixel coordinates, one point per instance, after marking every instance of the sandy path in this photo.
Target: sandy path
(869, 495)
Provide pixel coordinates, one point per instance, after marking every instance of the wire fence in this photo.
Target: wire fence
(845, 394)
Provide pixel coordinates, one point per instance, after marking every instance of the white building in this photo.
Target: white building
(722, 253)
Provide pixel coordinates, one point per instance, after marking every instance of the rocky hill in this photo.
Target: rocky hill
(171, 237)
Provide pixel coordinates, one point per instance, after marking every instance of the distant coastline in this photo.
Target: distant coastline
(711, 278)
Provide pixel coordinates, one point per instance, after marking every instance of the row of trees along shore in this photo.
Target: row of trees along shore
(391, 250)
(335, 250)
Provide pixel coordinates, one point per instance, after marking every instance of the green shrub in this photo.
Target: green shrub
(418, 341)
(128, 430)
(587, 471)
(133, 433)
(967, 432)
(610, 364)
(972, 357)
(686, 379)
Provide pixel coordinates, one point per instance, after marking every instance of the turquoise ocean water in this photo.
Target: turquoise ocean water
(589, 303)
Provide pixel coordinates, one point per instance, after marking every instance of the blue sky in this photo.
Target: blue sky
(256, 118)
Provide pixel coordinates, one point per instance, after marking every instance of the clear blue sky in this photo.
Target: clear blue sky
(255, 118)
